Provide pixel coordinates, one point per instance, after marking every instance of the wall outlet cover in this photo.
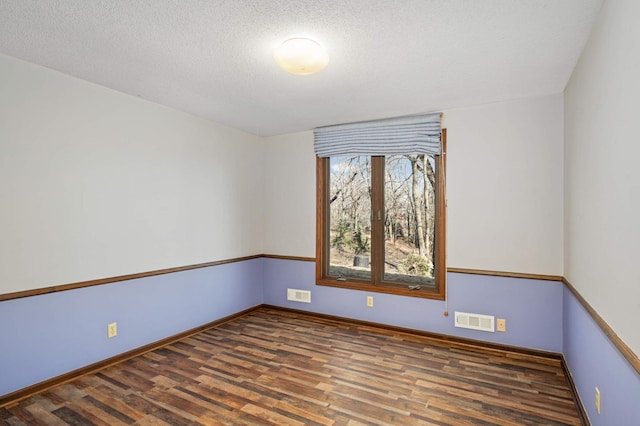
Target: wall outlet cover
(112, 330)
(501, 324)
(370, 301)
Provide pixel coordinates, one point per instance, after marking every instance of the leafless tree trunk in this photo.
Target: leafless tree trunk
(430, 203)
(415, 195)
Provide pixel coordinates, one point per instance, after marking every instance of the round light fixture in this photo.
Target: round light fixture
(301, 56)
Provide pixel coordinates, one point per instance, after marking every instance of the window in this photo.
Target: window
(380, 223)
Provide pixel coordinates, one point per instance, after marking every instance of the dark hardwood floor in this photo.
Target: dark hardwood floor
(284, 368)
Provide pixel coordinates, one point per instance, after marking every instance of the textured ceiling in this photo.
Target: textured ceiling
(212, 58)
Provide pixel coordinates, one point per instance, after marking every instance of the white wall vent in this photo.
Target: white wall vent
(299, 295)
(475, 321)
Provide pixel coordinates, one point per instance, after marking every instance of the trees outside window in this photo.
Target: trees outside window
(381, 223)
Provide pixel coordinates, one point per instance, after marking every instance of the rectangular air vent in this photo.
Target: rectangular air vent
(299, 295)
(475, 321)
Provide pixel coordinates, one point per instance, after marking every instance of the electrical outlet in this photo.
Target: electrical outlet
(501, 324)
(370, 301)
(597, 400)
(112, 330)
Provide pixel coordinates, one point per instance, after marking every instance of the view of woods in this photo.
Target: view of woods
(408, 217)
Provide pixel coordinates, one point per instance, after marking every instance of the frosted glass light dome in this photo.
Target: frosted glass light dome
(301, 56)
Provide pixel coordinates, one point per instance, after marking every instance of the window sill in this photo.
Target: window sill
(426, 292)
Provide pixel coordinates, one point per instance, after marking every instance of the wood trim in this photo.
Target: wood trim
(629, 355)
(625, 350)
(584, 418)
(398, 289)
(505, 274)
(19, 395)
(377, 226)
(301, 259)
(322, 214)
(464, 342)
(487, 397)
(377, 283)
(460, 341)
(440, 257)
(540, 277)
(109, 280)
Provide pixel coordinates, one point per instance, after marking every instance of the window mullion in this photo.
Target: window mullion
(377, 222)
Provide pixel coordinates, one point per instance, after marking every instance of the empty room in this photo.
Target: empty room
(319, 212)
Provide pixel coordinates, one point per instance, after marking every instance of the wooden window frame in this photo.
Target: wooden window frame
(376, 284)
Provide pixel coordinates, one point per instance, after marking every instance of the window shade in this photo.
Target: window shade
(416, 134)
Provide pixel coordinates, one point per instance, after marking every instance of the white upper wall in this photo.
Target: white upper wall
(290, 207)
(95, 183)
(602, 177)
(504, 186)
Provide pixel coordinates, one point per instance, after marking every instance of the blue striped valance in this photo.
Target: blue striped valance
(415, 134)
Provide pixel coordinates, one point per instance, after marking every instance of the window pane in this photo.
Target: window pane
(350, 217)
(409, 228)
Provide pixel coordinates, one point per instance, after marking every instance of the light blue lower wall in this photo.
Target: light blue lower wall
(595, 362)
(532, 308)
(48, 335)
(44, 336)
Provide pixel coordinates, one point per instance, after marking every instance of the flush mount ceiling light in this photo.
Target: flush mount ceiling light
(301, 56)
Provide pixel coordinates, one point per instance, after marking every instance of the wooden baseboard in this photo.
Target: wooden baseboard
(19, 395)
(463, 342)
(624, 349)
(460, 341)
(576, 396)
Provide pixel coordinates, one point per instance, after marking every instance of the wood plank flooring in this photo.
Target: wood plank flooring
(274, 367)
